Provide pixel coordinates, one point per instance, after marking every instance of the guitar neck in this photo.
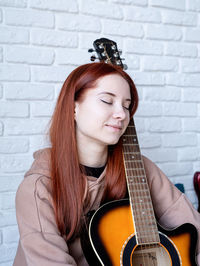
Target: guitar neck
(139, 195)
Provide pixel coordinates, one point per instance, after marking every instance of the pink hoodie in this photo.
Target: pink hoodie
(40, 242)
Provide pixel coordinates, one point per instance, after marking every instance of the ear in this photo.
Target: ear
(75, 110)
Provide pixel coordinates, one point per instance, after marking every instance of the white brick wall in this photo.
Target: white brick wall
(40, 44)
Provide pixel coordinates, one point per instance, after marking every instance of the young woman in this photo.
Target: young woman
(84, 168)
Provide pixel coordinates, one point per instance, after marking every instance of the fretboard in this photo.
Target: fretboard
(139, 195)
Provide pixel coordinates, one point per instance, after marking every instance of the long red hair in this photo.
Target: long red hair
(68, 180)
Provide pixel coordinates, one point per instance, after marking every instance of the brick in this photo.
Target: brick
(146, 109)
(52, 74)
(15, 163)
(141, 14)
(27, 91)
(164, 124)
(1, 54)
(192, 35)
(164, 32)
(149, 141)
(179, 18)
(189, 154)
(7, 218)
(25, 126)
(180, 109)
(27, 55)
(176, 169)
(159, 94)
(78, 22)
(132, 61)
(157, 63)
(194, 5)
(43, 109)
(183, 80)
(10, 234)
(38, 142)
(7, 200)
(8, 263)
(192, 80)
(191, 124)
(123, 28)
(131, 2)
(179, 5)
(71, 56)
(13, 109)
(32, 18)
(13, 3)
(101, 9)
(7, 253)
(179, 140)
(10, 182)
(14, 145)
(190, 65)
(54, 38)
(1, 128)
(185, 180)
(59, 5)
(161, 155)
(142, 78)
(14, 73)
(1, 91)
(14, 35)
(140, 124)
(143, 47)
(191, 196)
(183, 50)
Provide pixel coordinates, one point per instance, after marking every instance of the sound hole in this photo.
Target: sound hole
(150, 255)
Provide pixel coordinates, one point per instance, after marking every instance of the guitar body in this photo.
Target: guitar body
(113, 239)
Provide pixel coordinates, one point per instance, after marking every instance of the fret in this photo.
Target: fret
(131, 148)
(136, 180)
(130, 131)
(142, 187)
(136, 193)
(132, 156)
(130, 140)
(131, 173)
(134, 165)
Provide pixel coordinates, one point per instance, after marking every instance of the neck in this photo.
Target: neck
(92, 156)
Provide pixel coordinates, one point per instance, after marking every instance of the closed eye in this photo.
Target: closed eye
(106, 102)
(127, 108)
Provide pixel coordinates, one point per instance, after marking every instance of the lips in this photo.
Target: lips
(115, 127)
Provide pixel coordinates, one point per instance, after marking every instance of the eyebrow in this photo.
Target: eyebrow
(112, 94)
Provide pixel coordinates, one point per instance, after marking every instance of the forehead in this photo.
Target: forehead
(115, 84)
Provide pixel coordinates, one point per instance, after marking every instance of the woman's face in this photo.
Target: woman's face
(102, 114)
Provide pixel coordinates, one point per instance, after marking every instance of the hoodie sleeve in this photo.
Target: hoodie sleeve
(172, 207)
(39, 236)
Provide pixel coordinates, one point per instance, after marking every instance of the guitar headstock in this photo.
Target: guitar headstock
(108, 52)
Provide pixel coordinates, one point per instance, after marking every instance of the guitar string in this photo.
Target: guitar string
(137, 175)
(144, 186)
(134, 175)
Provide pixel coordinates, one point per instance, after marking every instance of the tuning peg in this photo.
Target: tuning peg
(91, 50)
(93, 58)
(120, 52)
(125, 67)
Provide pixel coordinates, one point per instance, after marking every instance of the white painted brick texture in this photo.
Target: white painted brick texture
(41, 42)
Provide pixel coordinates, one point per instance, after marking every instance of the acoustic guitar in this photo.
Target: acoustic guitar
(125, 232)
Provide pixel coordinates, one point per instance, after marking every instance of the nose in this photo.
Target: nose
(119, 113)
